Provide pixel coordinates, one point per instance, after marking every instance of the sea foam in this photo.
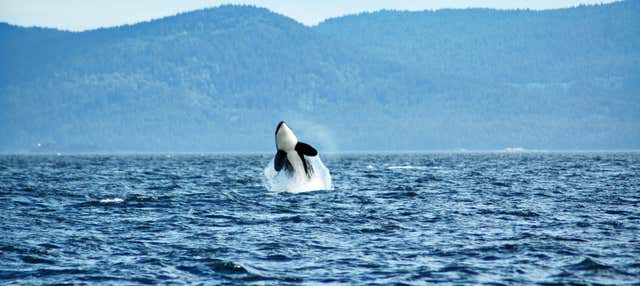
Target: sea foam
(278, 182)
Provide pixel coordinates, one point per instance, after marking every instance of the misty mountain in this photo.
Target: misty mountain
(220, 80)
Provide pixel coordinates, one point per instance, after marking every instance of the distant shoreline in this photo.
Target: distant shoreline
(375, 152)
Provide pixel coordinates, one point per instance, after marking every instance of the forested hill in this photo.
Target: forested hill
(220, 79)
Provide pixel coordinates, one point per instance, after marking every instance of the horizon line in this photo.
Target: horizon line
(426, 151)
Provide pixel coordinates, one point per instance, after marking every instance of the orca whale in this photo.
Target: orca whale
(291, 152)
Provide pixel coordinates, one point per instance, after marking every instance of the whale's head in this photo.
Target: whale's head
(285, 139)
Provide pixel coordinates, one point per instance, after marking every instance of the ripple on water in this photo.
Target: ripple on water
(472, 218)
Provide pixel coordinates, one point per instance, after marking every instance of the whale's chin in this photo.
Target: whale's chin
(285, 139)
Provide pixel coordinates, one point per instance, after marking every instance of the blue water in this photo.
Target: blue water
(501, 218)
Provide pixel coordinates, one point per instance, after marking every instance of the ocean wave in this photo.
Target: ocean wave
(407, 167)
(111, 201)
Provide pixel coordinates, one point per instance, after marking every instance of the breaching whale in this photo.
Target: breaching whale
(291, 153)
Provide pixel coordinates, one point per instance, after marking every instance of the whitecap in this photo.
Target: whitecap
(406, 167)
(109, 201)
(514, 150)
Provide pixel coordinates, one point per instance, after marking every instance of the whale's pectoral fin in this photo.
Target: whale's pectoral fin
(306, 149)
(280, 160)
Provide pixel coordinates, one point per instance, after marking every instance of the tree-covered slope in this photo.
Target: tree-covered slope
(220, 79)
(565, 78)
(204, 80)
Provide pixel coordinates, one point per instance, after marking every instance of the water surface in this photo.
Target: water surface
(392, 218)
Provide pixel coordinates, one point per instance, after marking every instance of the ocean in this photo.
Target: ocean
(499, 218)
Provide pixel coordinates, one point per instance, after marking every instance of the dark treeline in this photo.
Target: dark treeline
(220, 79)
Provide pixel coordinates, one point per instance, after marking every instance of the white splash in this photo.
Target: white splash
(278, 182)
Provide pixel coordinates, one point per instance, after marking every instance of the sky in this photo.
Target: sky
(78, 15)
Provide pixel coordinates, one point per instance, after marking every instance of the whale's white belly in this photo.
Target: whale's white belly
(296, 162)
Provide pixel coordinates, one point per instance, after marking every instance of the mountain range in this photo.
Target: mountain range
(220, 79)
